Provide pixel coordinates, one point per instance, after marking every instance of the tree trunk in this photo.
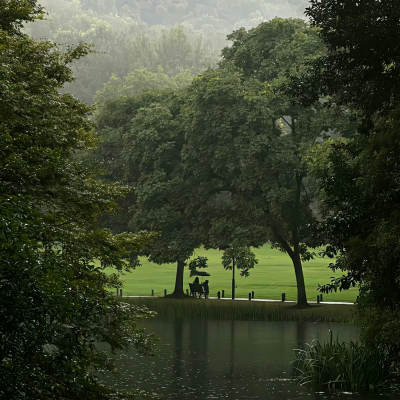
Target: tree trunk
(233, 279)
(301, 287)
(295, 252)
(178, 292)
(298, 268)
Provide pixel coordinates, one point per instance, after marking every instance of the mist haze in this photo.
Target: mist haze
(168, 41)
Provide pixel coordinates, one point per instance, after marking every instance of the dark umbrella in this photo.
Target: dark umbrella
(199, 273)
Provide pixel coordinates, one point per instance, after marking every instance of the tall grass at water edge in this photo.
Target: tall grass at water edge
(244, 310)
(349, 365)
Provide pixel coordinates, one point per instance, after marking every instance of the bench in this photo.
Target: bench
(196, 288)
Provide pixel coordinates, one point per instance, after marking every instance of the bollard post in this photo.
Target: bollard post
(120, 292)
(252, 294)
(165, 292)
(249, 296)
(152, 292)
(320, 298)
(283, 296)
(223, 293)
(219, 295)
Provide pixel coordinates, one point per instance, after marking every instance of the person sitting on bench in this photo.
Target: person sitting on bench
(206, 289)
(196, 282)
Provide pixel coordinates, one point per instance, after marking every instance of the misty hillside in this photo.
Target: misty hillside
(160, 39)
(201, 14)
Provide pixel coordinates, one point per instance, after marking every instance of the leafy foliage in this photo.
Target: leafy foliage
(240, 257)
(358, 179)
(148, 136)
(223, 13)
(140, 80)
(362, 65)
(54, 302)
(198, 262)
(251, 172)
(136, 34)
(225, 158)
(344, 365)
(54, 309)
(14, 13)
(361, 211)
(274, 49)
(123, 45)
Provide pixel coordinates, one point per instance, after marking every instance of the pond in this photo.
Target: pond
(219, 359)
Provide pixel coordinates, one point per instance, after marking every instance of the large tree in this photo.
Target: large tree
(54, 302)
(149, 142)
(248, 176)
(245, 139)
(359, 179)
(236, 174)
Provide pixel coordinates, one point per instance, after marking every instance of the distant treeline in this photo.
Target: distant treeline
(215, 14)
(179, 36)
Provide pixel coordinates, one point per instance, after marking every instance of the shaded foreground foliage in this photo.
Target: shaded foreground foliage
(53, 309)
(346, 365)
(359, 179)
(54, 303)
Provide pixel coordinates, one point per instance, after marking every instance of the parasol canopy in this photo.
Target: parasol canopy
(199, 273)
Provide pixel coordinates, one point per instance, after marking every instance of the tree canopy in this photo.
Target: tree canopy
(141, 80)
(362, 64)
(54, 302)
(253, 141)
(145, 148)
(358, 179)
(236, 173)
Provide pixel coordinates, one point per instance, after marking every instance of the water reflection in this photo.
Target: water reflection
(213, 359)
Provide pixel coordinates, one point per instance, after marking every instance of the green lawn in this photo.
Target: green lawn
(273, 275)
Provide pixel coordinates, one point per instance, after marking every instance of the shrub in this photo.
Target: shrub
(345, 364)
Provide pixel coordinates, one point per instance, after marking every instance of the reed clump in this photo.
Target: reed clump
(244, 310)
(345, 364)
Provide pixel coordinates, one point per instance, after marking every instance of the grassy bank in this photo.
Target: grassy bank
(273, 276)
(245, 310)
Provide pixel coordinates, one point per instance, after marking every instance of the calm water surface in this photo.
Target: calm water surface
(213, 359)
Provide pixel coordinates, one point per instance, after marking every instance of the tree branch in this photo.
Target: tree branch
(282, 241)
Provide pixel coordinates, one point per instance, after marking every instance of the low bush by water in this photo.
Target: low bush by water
(244, 310)
(344, 364)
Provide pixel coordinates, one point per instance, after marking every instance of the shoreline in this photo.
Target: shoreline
(246, 310)
(262, 300)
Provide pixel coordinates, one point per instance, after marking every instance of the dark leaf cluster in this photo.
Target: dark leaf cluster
(55, 304)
